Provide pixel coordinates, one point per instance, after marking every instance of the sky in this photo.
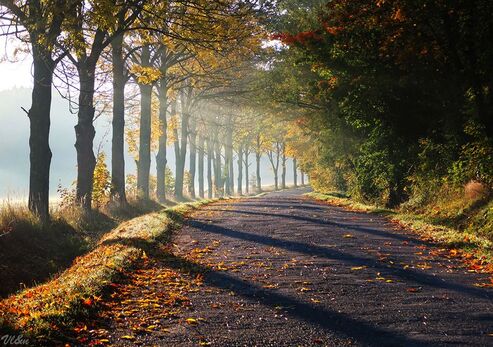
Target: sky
(16, 74)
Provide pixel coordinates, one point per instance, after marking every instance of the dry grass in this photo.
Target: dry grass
(31, 252)
(14, 216)
(475, 190)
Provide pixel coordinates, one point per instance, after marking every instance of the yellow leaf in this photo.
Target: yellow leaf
(356, 268)
(128, 337)
(348, 236)
(191, 321)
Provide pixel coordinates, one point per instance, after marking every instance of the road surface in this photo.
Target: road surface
(285, 270)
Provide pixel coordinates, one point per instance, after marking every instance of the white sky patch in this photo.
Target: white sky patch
(15, 64)
(16, 74)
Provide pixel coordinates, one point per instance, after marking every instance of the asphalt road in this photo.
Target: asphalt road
(284, 270)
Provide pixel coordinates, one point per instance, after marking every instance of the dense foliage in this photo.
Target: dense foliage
(398, 93)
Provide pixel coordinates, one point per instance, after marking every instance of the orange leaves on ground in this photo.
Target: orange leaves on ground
(470, 259)
(91, 301)
(485, 284)
(423, 266)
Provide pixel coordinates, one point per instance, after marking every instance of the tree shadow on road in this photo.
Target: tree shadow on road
(346, 226)
(411, 275)
(328, 320)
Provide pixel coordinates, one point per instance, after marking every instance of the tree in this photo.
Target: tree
(284, 160)
(145, 77)
(182, 140)
(44, 23)
(89, 34)
(118, 139)
(193, 156)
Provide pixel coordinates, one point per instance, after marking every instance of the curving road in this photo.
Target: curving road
(284, 270)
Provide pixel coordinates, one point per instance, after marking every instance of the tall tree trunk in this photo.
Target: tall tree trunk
(302, 178)
(201, 166)
(247, 179)
(283, 162)
(161, 159)
(39, 118)
(228, 162)
(179, 172)
(232, 175)
(258, 156)
(210, 158)
(240, 170)
(84, 134)
(218, 170)
(275, 163)
(295, 172)
(144, 163)
(181, 152)
(118, 123)
(193, 156)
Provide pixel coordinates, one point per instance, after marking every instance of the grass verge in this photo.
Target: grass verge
(470, 244)
(43, 310)
(32, 252)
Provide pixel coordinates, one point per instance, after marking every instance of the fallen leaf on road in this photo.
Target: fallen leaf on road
(357, 268)
(128, 337)
(348, 236)
(192, 321)
(414, 290)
